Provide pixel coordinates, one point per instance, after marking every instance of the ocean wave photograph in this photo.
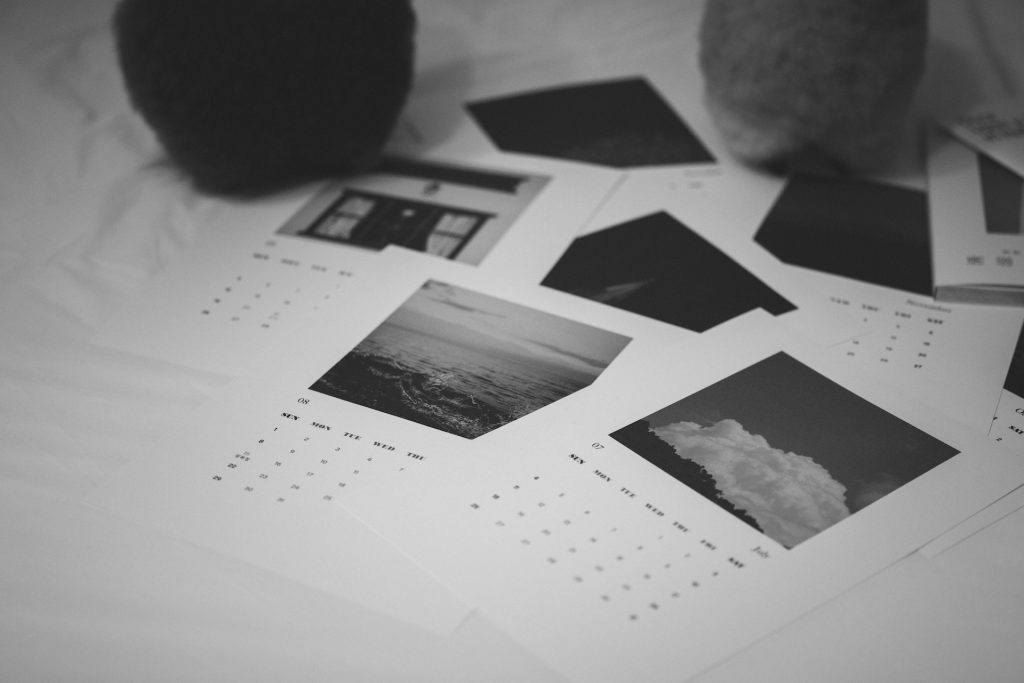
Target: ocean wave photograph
(467, 363)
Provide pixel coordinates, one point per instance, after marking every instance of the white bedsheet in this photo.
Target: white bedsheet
(88, 214)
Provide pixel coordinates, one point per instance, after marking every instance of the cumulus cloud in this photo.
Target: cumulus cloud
(789, 495)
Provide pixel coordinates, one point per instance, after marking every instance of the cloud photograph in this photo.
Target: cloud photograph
(783, 448)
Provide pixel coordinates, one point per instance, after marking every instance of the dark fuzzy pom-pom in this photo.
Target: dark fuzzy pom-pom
(254, 95)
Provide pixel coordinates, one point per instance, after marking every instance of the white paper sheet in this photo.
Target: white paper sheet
(1008, 423)
(1007, 430)
(934, 352)
(1000, 509)
(246, 284)
(173, 489)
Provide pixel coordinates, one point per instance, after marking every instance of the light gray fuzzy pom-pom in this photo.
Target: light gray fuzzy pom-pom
(828, 79)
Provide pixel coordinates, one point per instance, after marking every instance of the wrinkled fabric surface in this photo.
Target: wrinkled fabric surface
(89, 212)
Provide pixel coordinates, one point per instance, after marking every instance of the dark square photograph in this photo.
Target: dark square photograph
(783, 448)
(657, 267)
(624, 123)
(861, 229)
(1002, 196)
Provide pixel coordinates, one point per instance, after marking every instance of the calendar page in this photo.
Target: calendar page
(1008, 432)
(429, 357)
(951, 356)
(727, 490)
(977, 225)
(262, 267)
(651, 251)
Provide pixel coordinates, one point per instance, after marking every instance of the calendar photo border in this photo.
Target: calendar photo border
(493, 199)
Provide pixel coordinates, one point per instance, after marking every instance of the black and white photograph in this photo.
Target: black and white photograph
(783, 448)
(450, 211)
(861, 229)
(468, 363)
(624, 123)
(657, 267)
(1002, 197)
